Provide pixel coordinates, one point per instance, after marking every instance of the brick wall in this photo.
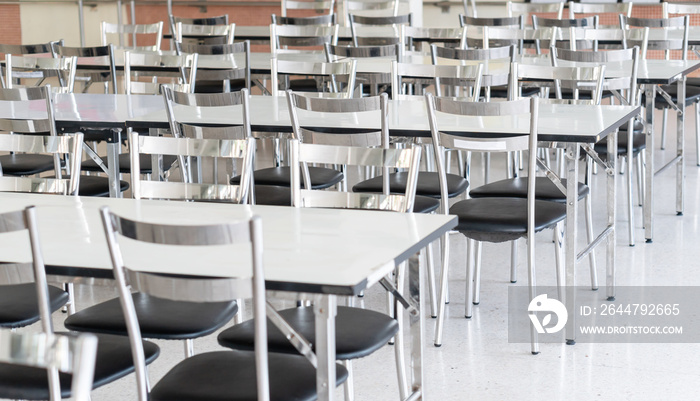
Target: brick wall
(10, 29)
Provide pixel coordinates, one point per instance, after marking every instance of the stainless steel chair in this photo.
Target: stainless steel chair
(491, 219)
(360, 331)
(217, 20)
(26, 164)
(631, 141)
(301, 37)
(68, 145)
(235, 77)
(126, 34)
(39, 355)
(19, 50)
(554, 8)
(192, 145)
(394, 23)
(36, 301)
(607, 13)
(105, 75)
(495, 81)
(678, 9)
(574, 78)
(181, 70)
(74, 355)
(666, 96)
(371, 80)
(481, 39)
(319, 6)
(33, 71)
(242, 375)
(328, 76)
(324, 19)
(204, 34)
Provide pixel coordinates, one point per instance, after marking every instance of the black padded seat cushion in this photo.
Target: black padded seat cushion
(303, 85)
(158, 318)
(501, 92)
(125, 164)
(93, 185)
(638, 144)
(517, 188)
(425, 204)
(230, 376)
(692, 95)
(321, 177)
(20, 307)
(428, 184)
(358, 333)
(272, 195)
(692, 81)
(26, 163)
(113, 361)
(503, 219)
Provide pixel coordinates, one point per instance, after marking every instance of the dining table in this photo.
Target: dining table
(317, 254)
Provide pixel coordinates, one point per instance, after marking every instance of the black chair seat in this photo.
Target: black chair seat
(125, 164)
(26, 163)
(321, 177)
(692, 95)
(517, 188)
(272, 195)
(638, 144)
(158, 318)
(692, 81)
(113, 361)
(20, 307)
(93, 185)
(503, 219)
(568, 93)
(303, 85)
(230, 376)
(358, 333)
(425, 204)
(428, 184)
(501, 92)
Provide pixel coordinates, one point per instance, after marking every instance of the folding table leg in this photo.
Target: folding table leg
(416, 321)
(325, 311)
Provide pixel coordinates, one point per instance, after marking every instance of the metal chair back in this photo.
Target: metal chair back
(125, 33)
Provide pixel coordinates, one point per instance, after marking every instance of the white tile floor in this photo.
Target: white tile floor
(476, 360)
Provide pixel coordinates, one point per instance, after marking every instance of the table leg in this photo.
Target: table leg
(570, 256)
(417, 324)
(325, 310)
(680, 135)
(611, 241)
(649, 93)
(113, 150)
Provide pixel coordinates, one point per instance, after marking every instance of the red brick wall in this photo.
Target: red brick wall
(10, 29)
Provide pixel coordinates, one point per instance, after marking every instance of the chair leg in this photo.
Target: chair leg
(630, 200)
(399, 347)
(189, 348)
(477, 274)
(471, 256)
(70, 305)
(238, 317)
(559, 257)
(430, 266)
(487, 167)
(348, 386)
(443, 290)
(534, 345)
(663, 129)
(589, 236)
(514, 261)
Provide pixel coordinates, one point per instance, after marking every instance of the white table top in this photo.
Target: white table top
(563, 123)
(307, 250)
(558, 123)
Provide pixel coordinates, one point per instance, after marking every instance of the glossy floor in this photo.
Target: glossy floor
(477, 361)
